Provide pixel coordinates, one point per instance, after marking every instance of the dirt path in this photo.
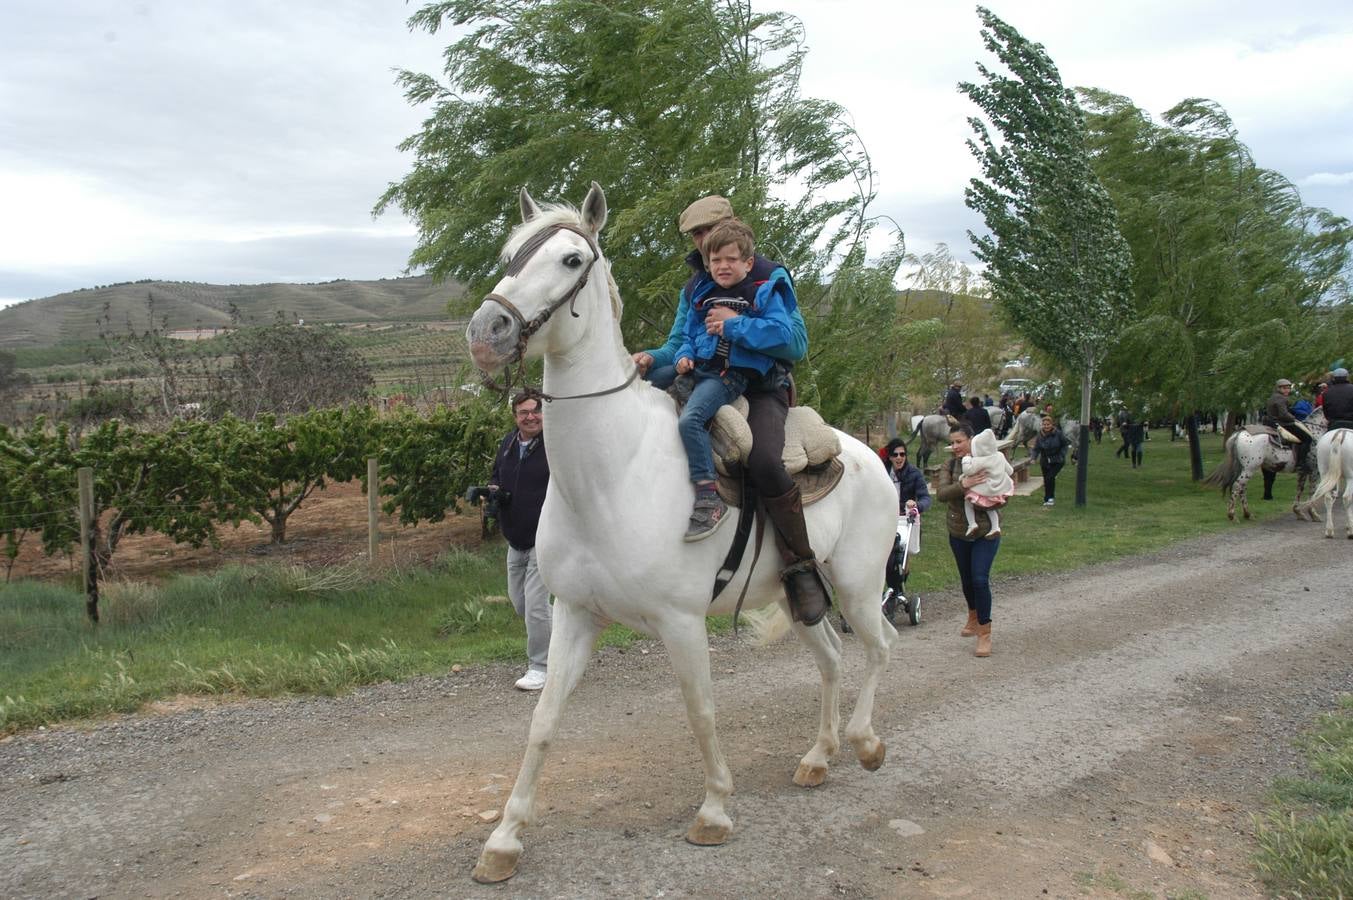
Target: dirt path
(1114, 746)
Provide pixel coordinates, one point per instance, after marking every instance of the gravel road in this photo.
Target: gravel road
(1119, 740)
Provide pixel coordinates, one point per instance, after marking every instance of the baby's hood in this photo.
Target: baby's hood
(984, 444)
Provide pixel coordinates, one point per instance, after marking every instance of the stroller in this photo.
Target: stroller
(906, 544)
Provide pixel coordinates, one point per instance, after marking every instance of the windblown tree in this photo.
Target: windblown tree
(1059, 269)
(659, 101)
(1236, 282)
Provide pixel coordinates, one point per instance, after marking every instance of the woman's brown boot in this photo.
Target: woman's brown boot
(983, 640)
(971, 628)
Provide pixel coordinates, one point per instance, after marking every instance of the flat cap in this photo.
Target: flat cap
(1340, 372)
(705, 212)
(1283, 382)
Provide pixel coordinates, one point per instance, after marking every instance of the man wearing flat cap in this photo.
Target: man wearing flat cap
(1277, 415)
(1338, 405)
(768, 404)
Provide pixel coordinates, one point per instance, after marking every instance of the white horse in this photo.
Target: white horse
(1334, 455)
(933, 431)
(610, 542)
(1248, 453)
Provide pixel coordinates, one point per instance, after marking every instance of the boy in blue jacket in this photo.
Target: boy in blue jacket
(732, 322)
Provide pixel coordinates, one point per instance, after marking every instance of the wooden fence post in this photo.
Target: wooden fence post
(85, 479)
(373, 492)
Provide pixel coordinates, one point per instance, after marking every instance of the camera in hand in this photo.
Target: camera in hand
(494, 498)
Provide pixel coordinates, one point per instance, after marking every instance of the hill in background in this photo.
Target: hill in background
(74, 316)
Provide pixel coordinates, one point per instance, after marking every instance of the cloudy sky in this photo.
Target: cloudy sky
(243, 141)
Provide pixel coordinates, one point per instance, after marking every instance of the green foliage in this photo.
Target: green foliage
(427, 463)
(659, 101)
(275, 465)
(1058, 267)
(1243, 283)
(1306, 839)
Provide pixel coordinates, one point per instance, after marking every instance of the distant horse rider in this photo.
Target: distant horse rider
(1338, 403)
(952, 405)
(1278, 415)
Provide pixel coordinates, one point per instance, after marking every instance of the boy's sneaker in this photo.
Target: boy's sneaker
(1049, 502)
(706, 517)
(533, 680)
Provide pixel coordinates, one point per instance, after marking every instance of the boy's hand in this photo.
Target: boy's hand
(684, 365)
(643, 361)
(715, 318)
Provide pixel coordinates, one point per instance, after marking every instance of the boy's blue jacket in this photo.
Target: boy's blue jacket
(793, 350)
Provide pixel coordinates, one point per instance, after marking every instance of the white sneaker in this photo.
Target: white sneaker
(533, 680)
(1049, 502)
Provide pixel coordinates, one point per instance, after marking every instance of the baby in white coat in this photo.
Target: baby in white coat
(992, 493)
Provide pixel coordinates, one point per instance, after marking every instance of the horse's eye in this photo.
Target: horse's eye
(573, 260)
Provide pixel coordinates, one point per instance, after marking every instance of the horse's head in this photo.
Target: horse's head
(551, 257)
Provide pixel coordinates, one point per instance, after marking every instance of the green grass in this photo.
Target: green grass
(257, 631)
(1306, 838)
(270, 630)
(1128, 512)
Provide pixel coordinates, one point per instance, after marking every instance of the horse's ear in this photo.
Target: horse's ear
(594, 209)
(529, 209)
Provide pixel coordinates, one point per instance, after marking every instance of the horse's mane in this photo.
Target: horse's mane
(558, 214)
(550, 214)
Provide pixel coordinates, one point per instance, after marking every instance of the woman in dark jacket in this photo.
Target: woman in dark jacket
(1050, 448)
(907, 479)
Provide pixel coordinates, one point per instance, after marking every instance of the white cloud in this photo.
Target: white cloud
(1327, 179)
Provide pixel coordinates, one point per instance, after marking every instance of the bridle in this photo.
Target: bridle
(528, 328)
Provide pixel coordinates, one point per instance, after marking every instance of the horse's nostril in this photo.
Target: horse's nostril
(500, 324)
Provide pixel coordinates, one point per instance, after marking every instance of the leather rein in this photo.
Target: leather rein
(528, 328)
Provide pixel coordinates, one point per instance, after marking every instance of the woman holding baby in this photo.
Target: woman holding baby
(977, 489)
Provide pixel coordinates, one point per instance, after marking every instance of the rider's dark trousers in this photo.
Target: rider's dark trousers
(766, 412)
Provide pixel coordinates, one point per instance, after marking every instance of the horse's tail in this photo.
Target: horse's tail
(1228, 470)
(769, 624)
(1330, 483)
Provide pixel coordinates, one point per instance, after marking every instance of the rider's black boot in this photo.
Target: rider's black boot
(808, 600)
(1268, 483)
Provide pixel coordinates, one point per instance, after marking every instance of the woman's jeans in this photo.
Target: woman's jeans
(1050, 471)
(711, 391)
(974, 559)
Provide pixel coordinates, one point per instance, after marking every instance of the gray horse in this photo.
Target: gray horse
(933, 431)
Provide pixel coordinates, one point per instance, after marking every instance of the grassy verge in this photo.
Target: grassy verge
(1306, 839)
(264, 631)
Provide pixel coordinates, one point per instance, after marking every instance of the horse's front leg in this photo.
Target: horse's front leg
(825, 645)
(688, 645)
(573, 635)
(1329, 516)
(1238, 495)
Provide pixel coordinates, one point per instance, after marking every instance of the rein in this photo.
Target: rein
(528, 328)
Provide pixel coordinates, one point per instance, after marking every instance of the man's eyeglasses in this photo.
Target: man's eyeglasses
(899, 455)
(528, 413)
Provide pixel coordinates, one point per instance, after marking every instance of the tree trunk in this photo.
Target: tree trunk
(1083, 439)
(1195, 449)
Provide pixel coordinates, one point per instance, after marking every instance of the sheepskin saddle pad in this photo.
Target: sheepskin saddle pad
(810, 455)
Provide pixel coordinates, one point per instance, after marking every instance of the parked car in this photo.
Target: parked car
(1016, 386)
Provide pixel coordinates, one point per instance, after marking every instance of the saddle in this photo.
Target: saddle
(1279, 436)
(810, 456)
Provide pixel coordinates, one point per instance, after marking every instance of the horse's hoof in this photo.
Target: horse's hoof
(810, 776)
(1247, 514)
(1231, 516)
(707, 834)
(872, 758)
(495, 866)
